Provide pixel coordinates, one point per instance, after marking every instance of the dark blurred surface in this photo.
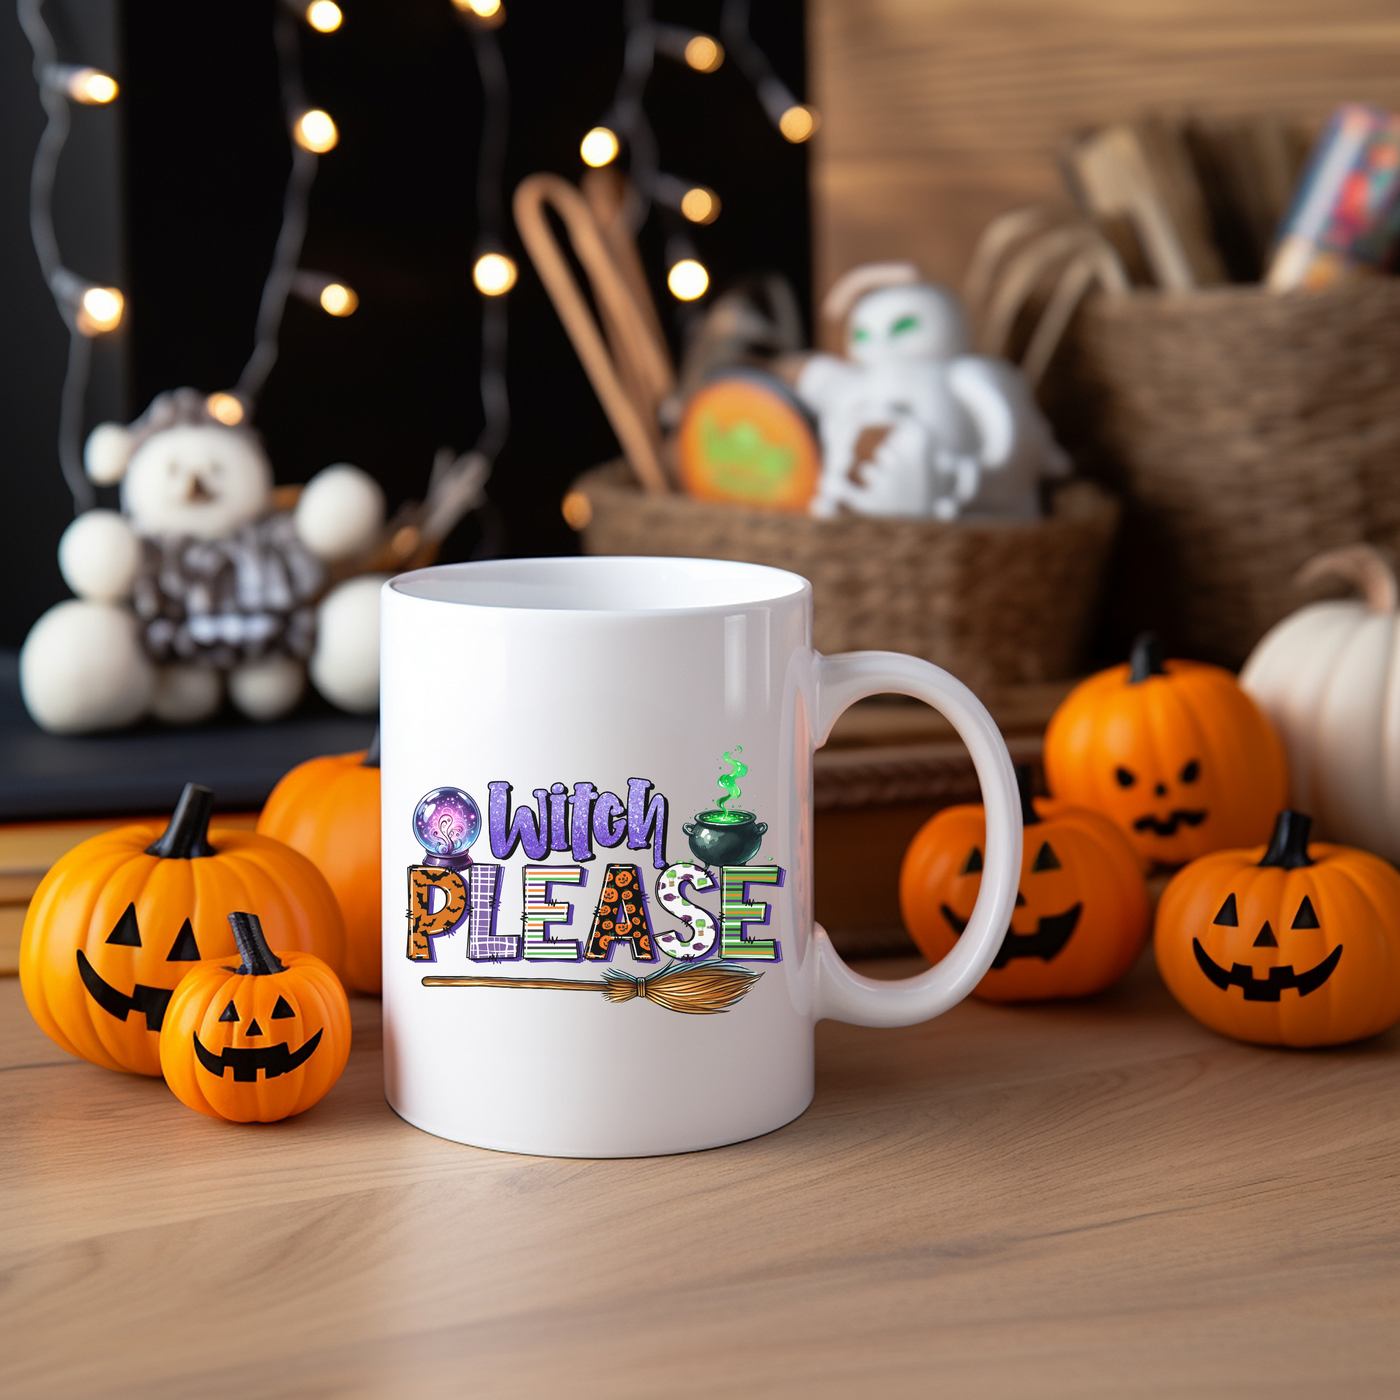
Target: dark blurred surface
(198, 142)
(143, 770)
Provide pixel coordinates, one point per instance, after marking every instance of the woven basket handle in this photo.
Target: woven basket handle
(843, 995)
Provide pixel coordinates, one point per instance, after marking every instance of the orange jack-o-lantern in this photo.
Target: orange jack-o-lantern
(258, 1040)
(328, 809)
(117, 922)
(1081, 915)
(1293, 945)
(1174, 751)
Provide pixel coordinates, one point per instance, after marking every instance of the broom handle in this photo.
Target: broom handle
(552, 984)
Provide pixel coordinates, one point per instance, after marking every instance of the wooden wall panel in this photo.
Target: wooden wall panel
(940, 114)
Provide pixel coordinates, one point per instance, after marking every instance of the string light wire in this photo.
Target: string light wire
(88, 310)
(626, 118)
(282, 275)
(794, 119)
(457, 482)
(66, 287)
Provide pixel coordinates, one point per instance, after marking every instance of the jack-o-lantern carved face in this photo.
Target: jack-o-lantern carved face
(250, 1050)
(1174, 751)
(1298, 945)
(258, 1041)
(145, 1001)
(1051, 931)
(1081, 911)
(120, 919)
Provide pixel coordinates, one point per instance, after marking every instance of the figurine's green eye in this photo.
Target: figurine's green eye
(904, 324)
(860, 333)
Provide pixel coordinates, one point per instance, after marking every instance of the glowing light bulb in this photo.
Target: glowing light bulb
(577, 510)
(324, 16)
(494, 274)
(699, 205)
(91, 86)
(704, 54)
(338, 299)
(599, 147)
(315, 131)
(226, 408)
(100, 309)
(798, 123)
(687, 279)
(488, 10)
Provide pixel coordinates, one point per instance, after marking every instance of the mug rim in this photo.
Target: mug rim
(739, 584)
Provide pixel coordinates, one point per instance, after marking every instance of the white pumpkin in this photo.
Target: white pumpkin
(1329, 678)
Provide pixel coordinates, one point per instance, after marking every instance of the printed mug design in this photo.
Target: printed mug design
(449, 890)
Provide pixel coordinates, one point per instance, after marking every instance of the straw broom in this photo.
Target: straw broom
(701, 989)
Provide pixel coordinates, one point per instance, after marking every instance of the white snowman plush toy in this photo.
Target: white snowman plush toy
(911, 422)
(198, 585)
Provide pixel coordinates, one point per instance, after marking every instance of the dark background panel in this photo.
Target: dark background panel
(196, 151)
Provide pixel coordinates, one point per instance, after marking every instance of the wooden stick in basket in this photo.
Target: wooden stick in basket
(635, 428)
(700, 989)
(611, 199)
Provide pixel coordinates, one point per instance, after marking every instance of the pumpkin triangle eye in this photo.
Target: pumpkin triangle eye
(229, 1013)
(1125, 777)
(126, 932)
(1228, 915)
(1045, 859)
(1306, 917)
(974, 862)
(282, 1009)
(1266, 937)
(184, 949)
(1191, 772)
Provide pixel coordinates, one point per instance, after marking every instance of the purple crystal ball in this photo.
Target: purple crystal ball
(446, 822)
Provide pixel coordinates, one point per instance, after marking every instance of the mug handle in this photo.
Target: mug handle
(844, 995)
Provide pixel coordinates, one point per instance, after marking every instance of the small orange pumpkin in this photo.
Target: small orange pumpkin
(328, 809)
(1174, 751)
(1081, 906)
(116, 923)
(279, 1022)
(1289, 945)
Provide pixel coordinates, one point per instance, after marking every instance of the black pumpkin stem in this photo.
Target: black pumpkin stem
(258, 959)
(1146, 658)
(371, 759)
(1289, 847)
(187, 836)
(1024, 784)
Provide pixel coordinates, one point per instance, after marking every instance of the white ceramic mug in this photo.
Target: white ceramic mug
(597, 808)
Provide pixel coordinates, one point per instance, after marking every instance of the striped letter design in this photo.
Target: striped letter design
(540, 913)
(735, 912)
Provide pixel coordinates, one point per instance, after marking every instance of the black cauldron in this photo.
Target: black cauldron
(725, 838)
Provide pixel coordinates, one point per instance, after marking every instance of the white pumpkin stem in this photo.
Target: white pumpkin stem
(1362, 565)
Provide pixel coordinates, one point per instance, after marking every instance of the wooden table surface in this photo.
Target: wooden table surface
(1082, 1200)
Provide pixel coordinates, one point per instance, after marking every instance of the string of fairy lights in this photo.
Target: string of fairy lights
(87, 309)
(90, 310)
(626, 127)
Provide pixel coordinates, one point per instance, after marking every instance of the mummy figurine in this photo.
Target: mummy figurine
(911, 422)
(197, 586)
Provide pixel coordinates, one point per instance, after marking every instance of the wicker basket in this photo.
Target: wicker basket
(996, 603)
(1246, 433)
